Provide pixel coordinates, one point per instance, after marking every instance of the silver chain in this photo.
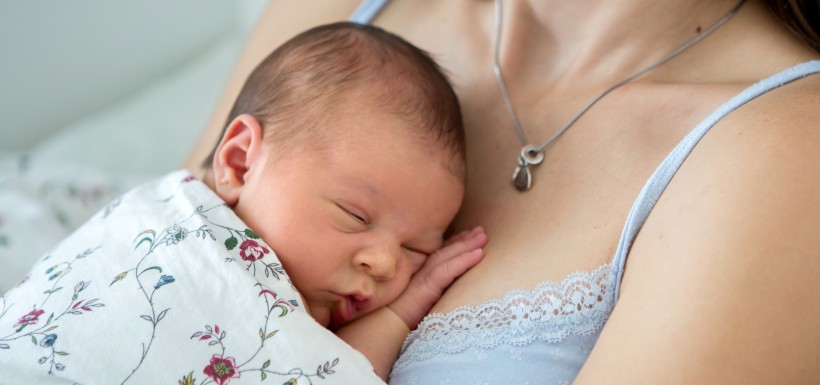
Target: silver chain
(534, 155)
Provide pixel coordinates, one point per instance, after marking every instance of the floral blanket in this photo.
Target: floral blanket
(166, 285)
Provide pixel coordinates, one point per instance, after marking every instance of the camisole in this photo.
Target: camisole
(544, 336)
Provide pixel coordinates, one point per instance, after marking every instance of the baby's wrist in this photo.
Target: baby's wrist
(399, 320)
(410, 314)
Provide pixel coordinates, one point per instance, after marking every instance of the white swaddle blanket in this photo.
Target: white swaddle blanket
(166, 285)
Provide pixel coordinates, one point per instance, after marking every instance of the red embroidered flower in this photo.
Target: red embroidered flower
(30, 319)
(221, 370)
(251, 250)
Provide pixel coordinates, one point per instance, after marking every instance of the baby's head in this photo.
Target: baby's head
(345, 153)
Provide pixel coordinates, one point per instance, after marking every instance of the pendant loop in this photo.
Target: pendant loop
(531, 155)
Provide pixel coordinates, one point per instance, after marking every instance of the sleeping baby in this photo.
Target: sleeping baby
(328, 197)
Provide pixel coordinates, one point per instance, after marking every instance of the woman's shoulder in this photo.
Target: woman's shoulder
(779, 127)
(728, 257)
(755, 168)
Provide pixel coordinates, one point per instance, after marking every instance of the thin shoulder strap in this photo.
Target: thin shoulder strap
(367, 10)
(663, 174)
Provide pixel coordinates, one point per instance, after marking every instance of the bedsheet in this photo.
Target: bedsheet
(166, 284)
(43, 202)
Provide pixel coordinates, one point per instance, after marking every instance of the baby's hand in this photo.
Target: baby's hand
(459, 253)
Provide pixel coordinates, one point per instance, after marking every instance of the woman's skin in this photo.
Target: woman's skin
(720, 283)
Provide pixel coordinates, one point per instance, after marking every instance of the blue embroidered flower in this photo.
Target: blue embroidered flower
(48, 340)
(164, 280)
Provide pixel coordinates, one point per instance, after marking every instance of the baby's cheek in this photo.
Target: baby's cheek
(401, 281)
(319, 313)
(416, 261)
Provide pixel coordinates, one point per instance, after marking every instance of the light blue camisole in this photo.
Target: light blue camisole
(544, 336)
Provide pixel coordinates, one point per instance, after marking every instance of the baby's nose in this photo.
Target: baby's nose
(379, 262)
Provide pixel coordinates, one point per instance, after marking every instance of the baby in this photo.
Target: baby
(345, 152)
(329, 194)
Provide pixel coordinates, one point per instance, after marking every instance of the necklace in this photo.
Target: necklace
(532, 155)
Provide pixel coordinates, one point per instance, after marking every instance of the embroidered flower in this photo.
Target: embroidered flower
(164, 280)
(221, 370)
(188, 179)
(48, 340)
(80, 286)
(251, 250)
(30, 319)
(174, 235)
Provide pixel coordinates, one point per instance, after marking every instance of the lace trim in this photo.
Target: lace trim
(580, 304)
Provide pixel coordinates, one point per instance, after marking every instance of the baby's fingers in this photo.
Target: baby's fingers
(458, 244)
(457, 237)
(444, 273)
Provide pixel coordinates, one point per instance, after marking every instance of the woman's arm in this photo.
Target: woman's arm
(721, 286)
(280, 21)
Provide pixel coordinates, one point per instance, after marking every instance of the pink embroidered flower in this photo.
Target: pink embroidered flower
(30, 319)
(221, 370)
(188, 179)
(251, 250)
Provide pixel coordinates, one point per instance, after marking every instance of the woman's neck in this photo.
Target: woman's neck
(598, 41)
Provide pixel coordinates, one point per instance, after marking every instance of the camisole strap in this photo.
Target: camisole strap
(656, 184)
(367, 10)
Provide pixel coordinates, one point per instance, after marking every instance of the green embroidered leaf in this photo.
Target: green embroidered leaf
(61, 353)
(51, 317)
(261, 334)
(157, 268)
(231, 242)
(149, 239)
(33, 340)
(271, 334)
(250, 234)
(52, 291)
(119, 277)
(266, 364)
(264, 376)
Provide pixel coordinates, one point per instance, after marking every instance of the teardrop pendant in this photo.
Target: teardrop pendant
(522, 179)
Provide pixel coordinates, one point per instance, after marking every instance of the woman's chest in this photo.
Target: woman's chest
(572, 217)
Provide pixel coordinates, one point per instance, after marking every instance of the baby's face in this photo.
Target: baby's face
(353, 222)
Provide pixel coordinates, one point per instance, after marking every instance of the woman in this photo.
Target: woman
(718, 283)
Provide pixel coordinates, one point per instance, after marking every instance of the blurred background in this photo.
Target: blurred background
(109, 73)
(97, 96)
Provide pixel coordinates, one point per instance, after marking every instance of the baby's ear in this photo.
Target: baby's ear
(238, 150)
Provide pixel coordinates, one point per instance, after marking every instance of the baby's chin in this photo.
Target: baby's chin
(333, 323)
(321, 315)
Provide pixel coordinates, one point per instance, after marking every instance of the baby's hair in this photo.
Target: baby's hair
(292, 92)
